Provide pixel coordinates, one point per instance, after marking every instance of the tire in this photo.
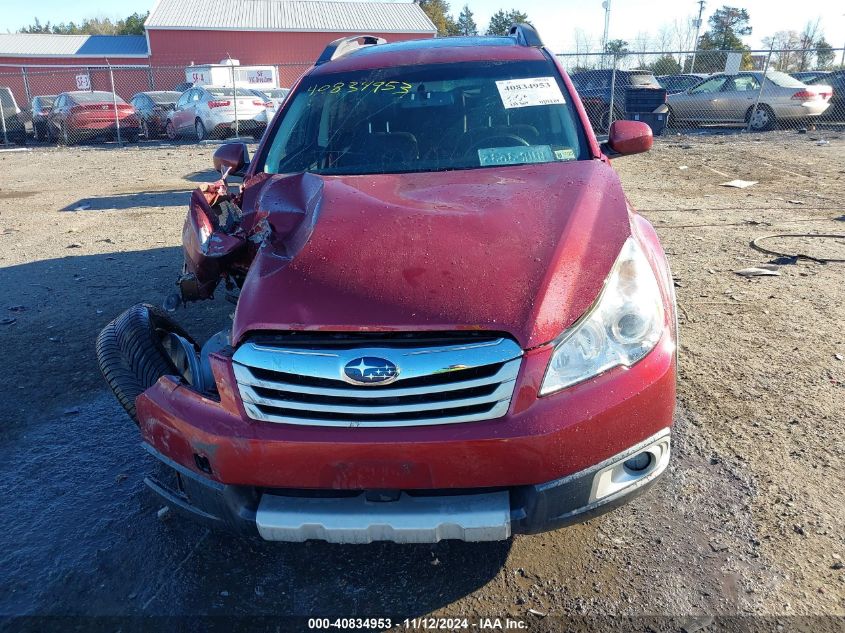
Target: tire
(134, 352)
(65, 138)
(199, 127)
(604, 120)
(762, 120)
(170, 131)
(145, 129)
(132, 137)
(36, 134)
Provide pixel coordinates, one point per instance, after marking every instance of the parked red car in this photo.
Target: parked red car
(450, 322)
(82, 116)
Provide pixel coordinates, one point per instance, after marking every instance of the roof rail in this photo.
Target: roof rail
(525, 35)
(346, 45)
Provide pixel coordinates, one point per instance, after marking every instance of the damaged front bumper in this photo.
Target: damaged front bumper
(549, 462)
(414, 516)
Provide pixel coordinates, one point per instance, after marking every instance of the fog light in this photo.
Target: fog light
(638, 463)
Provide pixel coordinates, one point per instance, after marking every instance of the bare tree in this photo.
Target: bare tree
(683, 33)
(583, 46)
(641, 44)
(663, 39)
(807, 43)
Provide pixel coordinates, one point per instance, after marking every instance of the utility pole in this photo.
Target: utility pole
(697, 31)
(606, 6)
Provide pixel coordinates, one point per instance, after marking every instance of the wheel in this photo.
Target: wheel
(605, 120)
(36, 132)
(145, 129)
(139, 347)
(132, 137)
(199, 127)
(170, 130)
(761, 119)
(65, 138)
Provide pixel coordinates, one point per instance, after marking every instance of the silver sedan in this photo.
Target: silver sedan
(730, 99)
(205, 111)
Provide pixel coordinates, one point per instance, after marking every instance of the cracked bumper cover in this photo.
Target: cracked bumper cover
(543, 455)
(486, 515)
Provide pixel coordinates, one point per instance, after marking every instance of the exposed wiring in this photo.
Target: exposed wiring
(755, 244)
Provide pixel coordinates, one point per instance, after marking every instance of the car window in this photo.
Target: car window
(714, 84)
(164, 98)
(195, 95)
(183, 100)
(6, 98)
(426, 118)
(228, 92)
(742, 83)
(783, 80)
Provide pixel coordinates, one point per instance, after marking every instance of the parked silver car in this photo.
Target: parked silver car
(206, 111)
(730, 99)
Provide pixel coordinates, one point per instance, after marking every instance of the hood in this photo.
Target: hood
(523, 250)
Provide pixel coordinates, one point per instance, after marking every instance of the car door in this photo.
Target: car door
(698, 103)
(54, 119)
(738, 93)
(180, 115)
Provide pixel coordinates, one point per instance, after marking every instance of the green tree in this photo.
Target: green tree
(466, 24)
(501, 21)
(665, 65)
(617, 48)
(727, 25)
(132, 25)
(438, 12)
(824, 54)
(37, 27)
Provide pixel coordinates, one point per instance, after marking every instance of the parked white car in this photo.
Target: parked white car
(730, 99)
(209, 111)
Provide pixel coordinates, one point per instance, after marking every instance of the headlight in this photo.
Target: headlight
(623, 325)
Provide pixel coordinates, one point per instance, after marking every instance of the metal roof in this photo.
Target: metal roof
(48, 45)
(290, 15)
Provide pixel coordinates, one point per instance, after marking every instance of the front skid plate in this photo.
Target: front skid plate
(410, 519)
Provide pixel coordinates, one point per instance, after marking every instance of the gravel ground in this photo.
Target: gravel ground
(750, 520)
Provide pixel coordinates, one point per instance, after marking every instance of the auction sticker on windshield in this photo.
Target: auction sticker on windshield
(518, 155)
(520, 93)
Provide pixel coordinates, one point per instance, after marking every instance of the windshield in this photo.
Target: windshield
(94, 97)
(164, 97)
(427, 118)
(227, 92)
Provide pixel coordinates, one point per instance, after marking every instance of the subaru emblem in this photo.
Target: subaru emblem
(369, 370)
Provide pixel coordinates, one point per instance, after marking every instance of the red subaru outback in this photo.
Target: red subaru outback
(450, 323)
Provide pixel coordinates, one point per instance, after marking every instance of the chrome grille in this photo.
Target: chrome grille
(437, 383)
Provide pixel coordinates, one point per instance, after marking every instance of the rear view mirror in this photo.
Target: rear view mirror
(232, 158)
(627, 137)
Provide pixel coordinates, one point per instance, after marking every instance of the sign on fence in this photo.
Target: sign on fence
(732, 63)
(83, 82)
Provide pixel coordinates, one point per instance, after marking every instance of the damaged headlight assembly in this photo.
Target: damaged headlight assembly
(621, 327)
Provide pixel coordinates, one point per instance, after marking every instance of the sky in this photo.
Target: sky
(556, 19)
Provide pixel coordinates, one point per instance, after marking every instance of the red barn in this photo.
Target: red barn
(289, 34)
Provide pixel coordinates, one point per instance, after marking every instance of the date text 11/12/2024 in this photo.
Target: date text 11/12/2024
(419, 624)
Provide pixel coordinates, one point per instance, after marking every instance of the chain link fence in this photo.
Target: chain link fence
(701, 91)
(64, 104)
(688, 91)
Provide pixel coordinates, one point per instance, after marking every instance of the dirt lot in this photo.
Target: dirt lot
(750, 520)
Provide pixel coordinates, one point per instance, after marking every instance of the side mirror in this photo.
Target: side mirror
(232, 158)
(627, 137)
